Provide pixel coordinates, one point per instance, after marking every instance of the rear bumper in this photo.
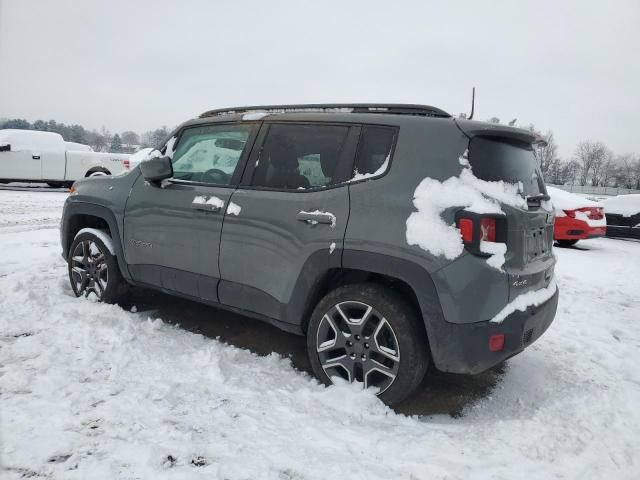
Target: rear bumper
(464, 348)
(566, 228)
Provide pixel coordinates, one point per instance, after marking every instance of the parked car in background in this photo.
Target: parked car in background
(623, 216)
(135, 158)
(35, 156)
(577, 218)
(302, 216)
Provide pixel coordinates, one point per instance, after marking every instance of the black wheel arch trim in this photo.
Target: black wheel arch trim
(416, 277)
(75, 208)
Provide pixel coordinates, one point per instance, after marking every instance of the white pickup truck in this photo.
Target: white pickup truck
(34, 156)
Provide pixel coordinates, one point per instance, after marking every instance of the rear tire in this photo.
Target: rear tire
(93, 270)
(370, 334)
(567, 243)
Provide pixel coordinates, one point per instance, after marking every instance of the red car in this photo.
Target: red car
(577, 218)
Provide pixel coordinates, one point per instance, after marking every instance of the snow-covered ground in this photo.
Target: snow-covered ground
(93, 391)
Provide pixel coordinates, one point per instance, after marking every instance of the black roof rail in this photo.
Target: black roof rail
(391, 108)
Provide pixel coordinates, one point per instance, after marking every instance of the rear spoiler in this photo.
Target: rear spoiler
(485, 129)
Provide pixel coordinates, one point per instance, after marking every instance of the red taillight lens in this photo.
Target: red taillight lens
(466, 229)
(594, 213)
(496, 342)
(570, 213)
(488, 229)
(126, 163)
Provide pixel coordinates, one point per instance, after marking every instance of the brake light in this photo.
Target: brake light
(570, 213)
(126, 164)
(466, 229)
(488, 229)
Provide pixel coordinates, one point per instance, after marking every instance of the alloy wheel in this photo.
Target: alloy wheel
(357, 343)
(89, 270)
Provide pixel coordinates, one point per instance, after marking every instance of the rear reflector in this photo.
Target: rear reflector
(466, 229)
(496, 342)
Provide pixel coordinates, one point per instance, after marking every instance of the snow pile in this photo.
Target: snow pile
(497, 250)
(208, 200)
(92, 391)
(255, 115)
(526, 300)
(429, 231)
(625, 205)
(233, 209)
(320, 212)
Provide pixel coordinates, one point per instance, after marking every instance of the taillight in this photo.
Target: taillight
(466, 229)
(488, 229)
(478, 228)
(570, 213)
(126, 164)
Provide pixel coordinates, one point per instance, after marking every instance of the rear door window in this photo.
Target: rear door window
(497, 159)
(296, 156)
(374, 151)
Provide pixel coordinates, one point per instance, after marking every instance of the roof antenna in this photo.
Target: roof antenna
(473, 103)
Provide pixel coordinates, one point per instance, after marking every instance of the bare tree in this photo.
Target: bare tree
(590, 156)
(546, 154)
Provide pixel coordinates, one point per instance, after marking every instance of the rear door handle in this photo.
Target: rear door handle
(316, 217)
(35, 157)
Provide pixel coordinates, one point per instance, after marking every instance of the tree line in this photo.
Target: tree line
(592, 163)
(101, 141)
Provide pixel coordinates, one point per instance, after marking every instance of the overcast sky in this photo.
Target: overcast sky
(572, 67)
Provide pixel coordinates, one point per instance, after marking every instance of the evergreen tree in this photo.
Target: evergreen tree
(116, 144)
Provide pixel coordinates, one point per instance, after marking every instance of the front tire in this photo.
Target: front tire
(93, 270)
(368, 334)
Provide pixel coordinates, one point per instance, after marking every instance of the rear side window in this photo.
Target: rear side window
(374, 151)
(513, 162)
(300, 156)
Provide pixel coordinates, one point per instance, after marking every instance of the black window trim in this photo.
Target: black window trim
(247, 177)
(240, 166)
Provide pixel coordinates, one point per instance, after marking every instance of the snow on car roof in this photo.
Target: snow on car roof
(563, 200)
(32, 140)
(625, 205)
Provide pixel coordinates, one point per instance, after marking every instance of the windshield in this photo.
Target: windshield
(513, 162)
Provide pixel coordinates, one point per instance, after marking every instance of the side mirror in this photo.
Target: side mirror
(5, 147)
(156, 169)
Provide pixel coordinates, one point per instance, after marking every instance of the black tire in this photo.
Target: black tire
(567, 243)
(403, 328)
(101, 277)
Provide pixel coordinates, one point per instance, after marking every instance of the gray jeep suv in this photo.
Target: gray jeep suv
(392, 236)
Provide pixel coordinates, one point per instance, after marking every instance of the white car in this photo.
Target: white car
(34, 156)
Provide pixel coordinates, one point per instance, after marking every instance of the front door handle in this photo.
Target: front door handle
(316, 217)
(208, 204)
(206, 207)
(35, 157)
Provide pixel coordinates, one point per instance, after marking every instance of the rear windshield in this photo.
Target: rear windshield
(493, 160)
